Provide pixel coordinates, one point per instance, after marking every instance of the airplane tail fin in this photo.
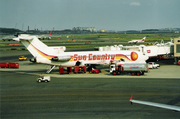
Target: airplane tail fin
(37, 48)
(51, 32)
(131, 99)
(41, 52)
(144, 39)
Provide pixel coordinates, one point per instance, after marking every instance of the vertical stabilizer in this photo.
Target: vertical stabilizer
(144, 39)
(35, 46)
(51, 32)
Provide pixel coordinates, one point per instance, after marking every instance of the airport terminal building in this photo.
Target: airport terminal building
(84, 29)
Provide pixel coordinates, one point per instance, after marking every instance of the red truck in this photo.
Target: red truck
(179, 62)
(9, 65)
(4, 65)
(65, 70)
(79, 69)
(13, 65)
(93, 70)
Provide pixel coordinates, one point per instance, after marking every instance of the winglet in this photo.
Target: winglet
(131, 97)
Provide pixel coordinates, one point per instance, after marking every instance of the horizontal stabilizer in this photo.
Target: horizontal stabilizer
(23, 37)
(28, 38)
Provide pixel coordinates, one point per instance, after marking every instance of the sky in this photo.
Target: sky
(116, 15)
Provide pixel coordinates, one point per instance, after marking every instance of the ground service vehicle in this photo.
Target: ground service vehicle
(93, 70)
(179, 62)
(152, 65)
(43, 79)
(9, 65)
(79, 69)
(65, 70)
(133, 68)
(21, 58)
(13, 65)
(4, 65)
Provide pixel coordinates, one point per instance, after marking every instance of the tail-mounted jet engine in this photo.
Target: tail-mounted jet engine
(61, 58)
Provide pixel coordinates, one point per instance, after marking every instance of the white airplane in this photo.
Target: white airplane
(137, 41)
(44, 36)
(8, 38)
(55, 56)
(170, 107)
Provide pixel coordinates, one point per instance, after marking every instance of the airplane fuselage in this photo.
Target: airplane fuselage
(56, 55)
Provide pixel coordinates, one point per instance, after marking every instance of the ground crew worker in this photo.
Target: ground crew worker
(41, 76)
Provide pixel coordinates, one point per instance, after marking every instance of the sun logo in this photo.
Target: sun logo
(134, 56)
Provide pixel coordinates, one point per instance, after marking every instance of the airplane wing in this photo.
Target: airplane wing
(135, 42)
(130, 41)
(170, 107)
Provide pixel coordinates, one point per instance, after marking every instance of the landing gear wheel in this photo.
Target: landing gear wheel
(133, 73)
(114, 73)
(138, 73)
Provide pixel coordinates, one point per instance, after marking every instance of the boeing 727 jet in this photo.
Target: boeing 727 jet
(55, 56)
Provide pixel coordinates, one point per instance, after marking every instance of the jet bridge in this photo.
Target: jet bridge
(158, 49)
(176, 50)
(154, 50)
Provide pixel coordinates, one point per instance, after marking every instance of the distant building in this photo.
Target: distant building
(132, 31)
(163, 30)
(9, 31)
(150, 31)
(84, 29)
(103, 30)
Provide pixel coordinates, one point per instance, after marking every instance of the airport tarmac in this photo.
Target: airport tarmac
(99, 96)
(166, 70)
